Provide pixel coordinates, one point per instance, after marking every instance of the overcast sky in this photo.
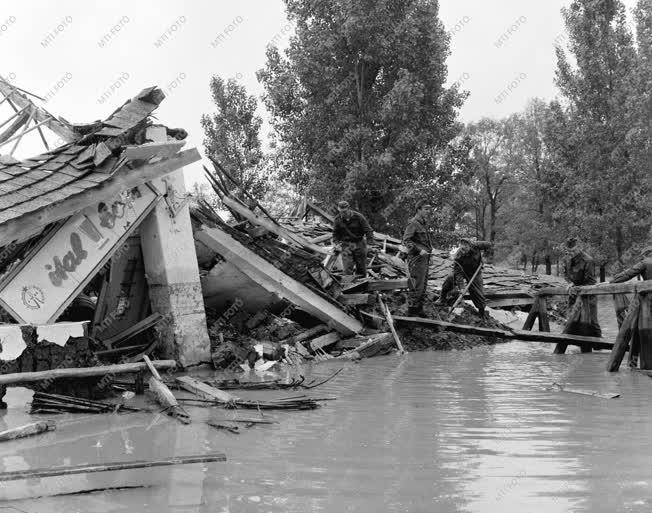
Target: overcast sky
(102, 53)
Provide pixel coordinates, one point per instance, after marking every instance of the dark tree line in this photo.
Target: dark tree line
(360, 111)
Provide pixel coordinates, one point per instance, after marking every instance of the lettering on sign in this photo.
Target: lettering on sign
(69, 263)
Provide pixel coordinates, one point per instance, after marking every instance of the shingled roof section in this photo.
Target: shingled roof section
(36, 183)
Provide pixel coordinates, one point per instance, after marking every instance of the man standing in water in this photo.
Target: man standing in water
(417, 241)
(579, 269)
(349, 231)
(467, 261)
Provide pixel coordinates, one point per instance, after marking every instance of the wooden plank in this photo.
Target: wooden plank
(582, 391)
(531, 316)
(321, 238)
(390, 322)
(274, 228)
(525, 336)
(357, 299)
(305, 335)
(324, 341)
(81, 372)
(107, 467)
(572, 316)
(502, 303)
(380, 285)
(274, 280)
(65, 131)
(374, 344)
(121, 180)
(201, 389)
(134, 330)
(604, 288)
(149, 150)
(544, 320)
(318, 210)
(34, 428)
(164, 395)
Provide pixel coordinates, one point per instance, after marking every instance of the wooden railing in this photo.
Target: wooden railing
(634, 318)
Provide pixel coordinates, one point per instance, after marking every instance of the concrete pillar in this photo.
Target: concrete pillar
(173, 276)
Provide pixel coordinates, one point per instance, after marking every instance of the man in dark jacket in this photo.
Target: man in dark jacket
(467, 261)
(349, 231)
(417, 241)
(579, 269)
(642, 268)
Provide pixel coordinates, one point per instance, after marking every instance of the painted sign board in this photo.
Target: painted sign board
(48, 280)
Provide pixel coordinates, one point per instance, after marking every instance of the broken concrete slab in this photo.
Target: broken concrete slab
(274, 280)
(13, 341)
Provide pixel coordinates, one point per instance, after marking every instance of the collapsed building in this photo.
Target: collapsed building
(106, 259)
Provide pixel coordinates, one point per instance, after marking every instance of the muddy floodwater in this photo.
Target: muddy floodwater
(472, 431)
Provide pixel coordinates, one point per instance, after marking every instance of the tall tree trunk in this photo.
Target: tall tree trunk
(548, 264)
(619, 242)
(603, 273)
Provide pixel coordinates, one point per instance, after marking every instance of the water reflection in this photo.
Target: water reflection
(473, 431)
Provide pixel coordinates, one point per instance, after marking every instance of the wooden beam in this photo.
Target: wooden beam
(203, 390)
(322, 238)
(625, 333)
(357, 299)
(502, 303)
(122, 180)
(596, 290)
(107, 467)
(274, 280)
(525, 336)
(390, 322)
(19, 136)
(387, 284)
(23, 116)
(66, 132)
(282, 232)
(324, 341)
(163, 394)
(387, 238)
(318, 210)
(305, 335)
(34, 428)
(136, 329)
(81, 372)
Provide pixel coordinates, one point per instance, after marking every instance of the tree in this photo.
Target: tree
(494, 162)
(358, 101)
(232, 135)
(606, 183)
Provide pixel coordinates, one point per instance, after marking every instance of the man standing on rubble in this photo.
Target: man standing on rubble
(467, 266)
(417, 241)
(349, 231)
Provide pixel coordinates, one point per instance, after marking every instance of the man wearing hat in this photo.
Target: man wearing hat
(417, 241)
(467, 261)
(643, 268)
(579, 269)
(349, 231)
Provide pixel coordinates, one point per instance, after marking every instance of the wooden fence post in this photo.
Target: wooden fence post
(644, 334)
(533, 314)
(573, 315)
(627, 327)
(544, 320)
